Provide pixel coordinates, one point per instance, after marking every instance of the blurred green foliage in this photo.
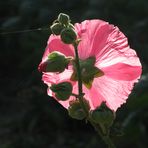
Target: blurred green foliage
(31, 119)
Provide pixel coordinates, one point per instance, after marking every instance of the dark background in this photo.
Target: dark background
(31, 119)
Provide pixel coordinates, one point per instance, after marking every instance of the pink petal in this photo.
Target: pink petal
(106, 42)
(114, 56)
(86, 32)
(121, 71)
(50, 78)
(114, 49)
(114, 92)
(93, 96)
(55, 44)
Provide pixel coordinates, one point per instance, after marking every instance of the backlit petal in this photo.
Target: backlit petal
(54, 78)
(121, 71)
(86, 32)
(114, 92)
(55, 44)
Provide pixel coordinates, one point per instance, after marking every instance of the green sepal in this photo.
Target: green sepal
(98, 72)
(88, 83)
(88, 71)
(73, 77)
(90, 61)
(62, 90)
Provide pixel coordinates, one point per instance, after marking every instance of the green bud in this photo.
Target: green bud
(56, 28)
(56, 62)
(63, 19)
(103, 115)
(62, 90)
(75, 110)
(68, 35)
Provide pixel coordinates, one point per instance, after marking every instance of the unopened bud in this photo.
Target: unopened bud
(56, 28)
(68, 35)
(56, 62)
(62, 90)
(103, 115)
(63, 18)
(76, 111)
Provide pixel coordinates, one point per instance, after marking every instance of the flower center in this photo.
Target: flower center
(88, 71)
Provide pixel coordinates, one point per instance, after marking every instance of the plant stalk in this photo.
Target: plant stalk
(81, 94)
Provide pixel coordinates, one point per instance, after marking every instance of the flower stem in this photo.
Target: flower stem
(80, 95)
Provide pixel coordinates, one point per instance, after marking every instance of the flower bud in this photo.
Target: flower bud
(76, 111)
(103, 115)
(63, 18)
(56, 28)
(62, 90)
(68, 35)
(56, 62)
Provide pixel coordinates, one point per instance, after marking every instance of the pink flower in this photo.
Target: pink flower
(119, 63)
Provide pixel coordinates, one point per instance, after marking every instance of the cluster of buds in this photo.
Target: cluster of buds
(64, 28)
(57, 62)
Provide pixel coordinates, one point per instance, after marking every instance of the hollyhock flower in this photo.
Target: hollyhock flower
(118, 63)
